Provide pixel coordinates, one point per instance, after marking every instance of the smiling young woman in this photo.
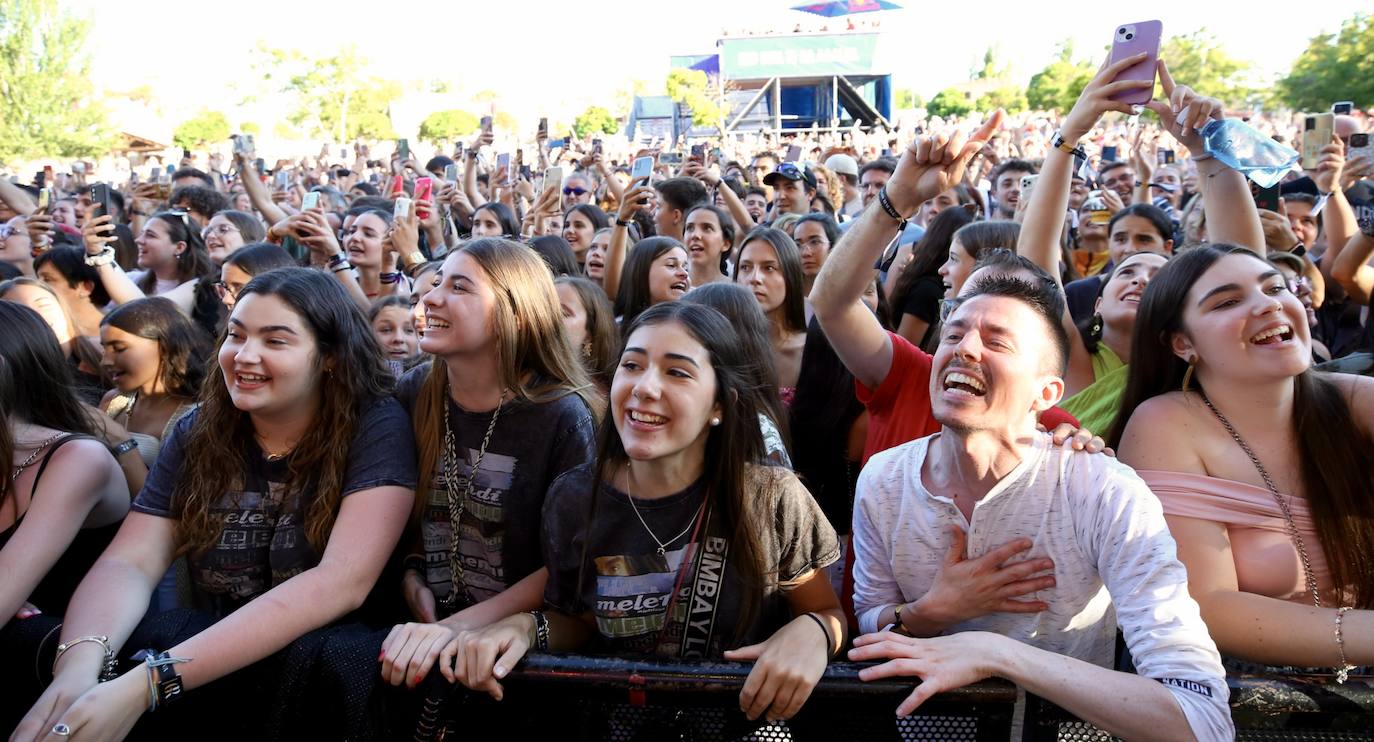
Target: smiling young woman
(675, 498)
(657, 270)
(504, 408)
(287, 488)
(1260, 461)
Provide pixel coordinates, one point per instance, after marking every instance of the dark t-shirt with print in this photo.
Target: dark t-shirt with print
(262, 540)
(629, 585)
(532, 444)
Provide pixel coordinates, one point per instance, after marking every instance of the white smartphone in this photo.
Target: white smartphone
(310, 200)
(553, 178)
(402, 208)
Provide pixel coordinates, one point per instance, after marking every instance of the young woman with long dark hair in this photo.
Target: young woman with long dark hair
(242, 264)
(82, 352)
(1261, 462)
(741, 310)
(61, 499)
(590, 321)
(504, 408)
(709, 235)
(770, 267)
(172, 259)
(287, 488)
(675, 498)
(658, 270)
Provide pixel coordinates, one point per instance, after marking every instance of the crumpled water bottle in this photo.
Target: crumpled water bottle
(1242, 147)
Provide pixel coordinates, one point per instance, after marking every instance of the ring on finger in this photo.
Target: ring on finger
(60, 730)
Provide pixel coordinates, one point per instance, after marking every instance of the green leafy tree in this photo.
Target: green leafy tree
(595, 120)
(907, 99)
(1334, 67)
(249, 127)
(1056, 87)
(693, 89)
(332, 96)
(203, 128)
(1009, 98)
(46, 106)
(950, 102)
(446, 126)
(1199, 60)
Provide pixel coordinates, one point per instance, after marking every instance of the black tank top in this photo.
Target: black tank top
(55, 591)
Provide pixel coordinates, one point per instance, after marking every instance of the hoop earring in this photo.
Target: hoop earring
(1095, 328)
(1188, 375)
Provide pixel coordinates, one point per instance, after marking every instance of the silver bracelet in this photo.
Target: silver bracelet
(1343, 671)
(107, 669)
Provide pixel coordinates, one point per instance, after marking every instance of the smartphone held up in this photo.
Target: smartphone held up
(1129, 40)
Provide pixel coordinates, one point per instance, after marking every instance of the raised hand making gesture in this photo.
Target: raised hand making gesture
(934, 164)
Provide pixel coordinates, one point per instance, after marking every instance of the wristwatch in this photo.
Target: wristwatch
(104, 257)
(413, 258)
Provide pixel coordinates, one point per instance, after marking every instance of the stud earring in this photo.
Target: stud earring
(715, 421)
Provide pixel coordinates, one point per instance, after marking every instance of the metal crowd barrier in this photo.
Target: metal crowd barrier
(576, 697)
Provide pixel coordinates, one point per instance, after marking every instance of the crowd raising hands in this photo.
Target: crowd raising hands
(316, 435)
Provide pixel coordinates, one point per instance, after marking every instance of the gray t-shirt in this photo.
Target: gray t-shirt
(629, 586)
(532, 444)
(262, 540)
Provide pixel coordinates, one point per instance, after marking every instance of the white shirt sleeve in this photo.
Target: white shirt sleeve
(1122, 524)
(875, 584)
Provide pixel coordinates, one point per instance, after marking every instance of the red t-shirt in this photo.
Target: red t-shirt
(899, 409)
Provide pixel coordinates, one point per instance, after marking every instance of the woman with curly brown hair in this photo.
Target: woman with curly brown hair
(287, 488)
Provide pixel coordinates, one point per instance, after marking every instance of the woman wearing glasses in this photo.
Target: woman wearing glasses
(228, 231)
(244, 263)
(173, 264)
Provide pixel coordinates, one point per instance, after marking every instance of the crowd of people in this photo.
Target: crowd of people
(961, 402)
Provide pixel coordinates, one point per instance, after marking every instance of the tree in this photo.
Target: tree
(693, 89)
(203, 128)
(249, 127)
(332, 96)
(446, 126)
(949, 102)
(1333, 67)
(1199, 60)
(45, 95)
(907, 99)
(1056, 87)
(595, 120)
(1009, 98)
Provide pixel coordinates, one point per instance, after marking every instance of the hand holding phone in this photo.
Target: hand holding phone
(642, 170)
(553, 178)
(1317, 131)
(310, 200)
(424, 191)
(1129, 40)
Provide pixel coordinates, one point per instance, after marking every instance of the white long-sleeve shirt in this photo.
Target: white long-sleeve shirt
(1114, 562)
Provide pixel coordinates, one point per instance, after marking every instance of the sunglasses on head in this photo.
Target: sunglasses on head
(790, 170)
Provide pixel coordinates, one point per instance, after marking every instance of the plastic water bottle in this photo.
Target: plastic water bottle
(1242, 147)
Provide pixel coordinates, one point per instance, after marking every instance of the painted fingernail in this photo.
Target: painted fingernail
(381, 656)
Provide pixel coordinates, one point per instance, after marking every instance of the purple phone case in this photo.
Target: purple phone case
(1147, 37)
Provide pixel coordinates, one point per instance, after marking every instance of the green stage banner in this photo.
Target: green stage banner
(799, 56)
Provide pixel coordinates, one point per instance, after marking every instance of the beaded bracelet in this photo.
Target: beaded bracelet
(107, 670)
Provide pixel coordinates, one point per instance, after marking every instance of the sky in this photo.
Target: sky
(564, 56)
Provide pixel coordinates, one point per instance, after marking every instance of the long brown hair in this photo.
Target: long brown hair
(35, 382)
(534, 357)
(217, 448)
(1333, 449)
(83, 349)
(731, 449)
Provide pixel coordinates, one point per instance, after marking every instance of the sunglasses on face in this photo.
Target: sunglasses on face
(573, 191)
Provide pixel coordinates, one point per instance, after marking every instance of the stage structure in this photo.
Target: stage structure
(777, 83)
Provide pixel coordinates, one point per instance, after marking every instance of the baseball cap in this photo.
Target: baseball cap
(791, 171)
(842, 164)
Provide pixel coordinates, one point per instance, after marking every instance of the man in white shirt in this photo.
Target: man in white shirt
(986, 551)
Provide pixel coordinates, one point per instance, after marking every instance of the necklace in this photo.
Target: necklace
(26, 463)
(458, 495)
(273, 455)
(1284, 507)
(662, 545)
